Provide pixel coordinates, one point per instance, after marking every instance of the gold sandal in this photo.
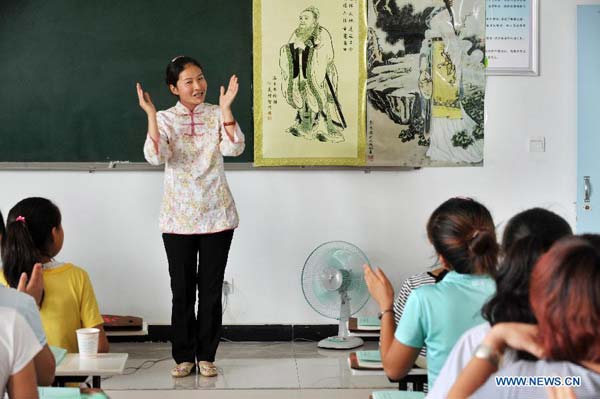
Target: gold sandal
(183, 369)
(208, 369)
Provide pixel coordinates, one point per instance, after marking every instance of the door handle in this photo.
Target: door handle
(587, 189)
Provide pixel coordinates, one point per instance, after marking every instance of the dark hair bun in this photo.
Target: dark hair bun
(482, 243)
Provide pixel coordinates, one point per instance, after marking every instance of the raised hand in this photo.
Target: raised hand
(380, 287)
(519, 336)
(145, 100)
(35, 285)
(226, 98)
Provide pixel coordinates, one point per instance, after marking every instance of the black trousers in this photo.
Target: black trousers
(197, 264)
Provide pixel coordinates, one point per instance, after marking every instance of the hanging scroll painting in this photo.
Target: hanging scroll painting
(426, 82)
(309, 82)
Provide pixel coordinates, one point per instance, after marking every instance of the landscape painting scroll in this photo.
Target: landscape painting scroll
(309, 82)
(426, 82)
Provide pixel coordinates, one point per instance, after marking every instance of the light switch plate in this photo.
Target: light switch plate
(537, 144)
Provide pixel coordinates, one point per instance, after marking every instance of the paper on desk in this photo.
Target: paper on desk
(398, 395)
(59, 353)
(58, 393)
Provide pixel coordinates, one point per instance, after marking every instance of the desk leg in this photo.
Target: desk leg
(96, 381)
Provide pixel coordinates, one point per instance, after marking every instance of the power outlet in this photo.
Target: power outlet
(227, 287)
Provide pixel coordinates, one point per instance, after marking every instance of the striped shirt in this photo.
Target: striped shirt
(408, 286)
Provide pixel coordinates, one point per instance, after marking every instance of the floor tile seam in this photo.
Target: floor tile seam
(294, 354)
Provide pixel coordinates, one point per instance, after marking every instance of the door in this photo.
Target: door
(588, 118)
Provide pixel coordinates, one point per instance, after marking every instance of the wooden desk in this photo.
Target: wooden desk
(104, 365)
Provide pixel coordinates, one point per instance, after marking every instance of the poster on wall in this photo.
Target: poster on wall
(426, 82)
(512, 37)
(309, 82)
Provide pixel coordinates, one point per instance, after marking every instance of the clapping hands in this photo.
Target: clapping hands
(226, 98)
(35, 285)
(380, 287)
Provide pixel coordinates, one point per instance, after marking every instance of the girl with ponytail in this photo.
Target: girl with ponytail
(34, 235)
(462, 233)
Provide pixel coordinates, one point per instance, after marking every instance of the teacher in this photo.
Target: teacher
(198, 214)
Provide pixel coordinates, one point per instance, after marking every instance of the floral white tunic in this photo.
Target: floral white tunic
(196, 199)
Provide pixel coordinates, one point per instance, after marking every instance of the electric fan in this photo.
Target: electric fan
(334, 286)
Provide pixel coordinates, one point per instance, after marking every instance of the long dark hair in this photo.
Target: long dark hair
(526, 237)
(462, 232)
(2, 225)
(28, 239)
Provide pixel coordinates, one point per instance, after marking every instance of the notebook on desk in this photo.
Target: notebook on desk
(59, 353)
(68, 393)
(367, 360)
(397, 395)
(58, 393)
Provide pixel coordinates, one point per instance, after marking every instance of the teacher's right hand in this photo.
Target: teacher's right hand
(145, 100)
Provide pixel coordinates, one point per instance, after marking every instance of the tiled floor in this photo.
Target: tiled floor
(297, 370)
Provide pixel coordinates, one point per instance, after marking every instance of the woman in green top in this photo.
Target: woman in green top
(462, 232)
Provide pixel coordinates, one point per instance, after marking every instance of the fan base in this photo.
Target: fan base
(340, 343)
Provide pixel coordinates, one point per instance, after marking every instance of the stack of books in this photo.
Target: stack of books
(364, 325)
(369, 323)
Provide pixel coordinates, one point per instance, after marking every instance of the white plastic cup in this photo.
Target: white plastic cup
(87, 340)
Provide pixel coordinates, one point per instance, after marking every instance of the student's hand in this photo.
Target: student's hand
(145, 100)
(380, 287)
(226, 98)
(561, 393)
(519, 336)
(35, 285)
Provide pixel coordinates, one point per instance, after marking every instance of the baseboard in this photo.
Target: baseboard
(265, 332)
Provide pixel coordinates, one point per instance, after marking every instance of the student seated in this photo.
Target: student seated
(18, 347)
(34, 234)
(565, 298)
(462, 232)
(45, 365)
(526, 237)
(24, 304)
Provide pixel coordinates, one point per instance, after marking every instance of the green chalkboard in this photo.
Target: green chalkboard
(68, 70)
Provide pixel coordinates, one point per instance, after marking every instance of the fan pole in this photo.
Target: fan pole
(344, 314)
(343, 339)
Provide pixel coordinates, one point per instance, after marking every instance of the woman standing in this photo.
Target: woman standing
(198, 214)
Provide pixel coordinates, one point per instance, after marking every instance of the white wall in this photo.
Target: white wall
(110, 218)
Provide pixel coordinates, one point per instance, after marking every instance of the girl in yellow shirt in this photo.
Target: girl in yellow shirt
(34, 234)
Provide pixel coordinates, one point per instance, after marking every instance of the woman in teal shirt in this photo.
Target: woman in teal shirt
(462, 232)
